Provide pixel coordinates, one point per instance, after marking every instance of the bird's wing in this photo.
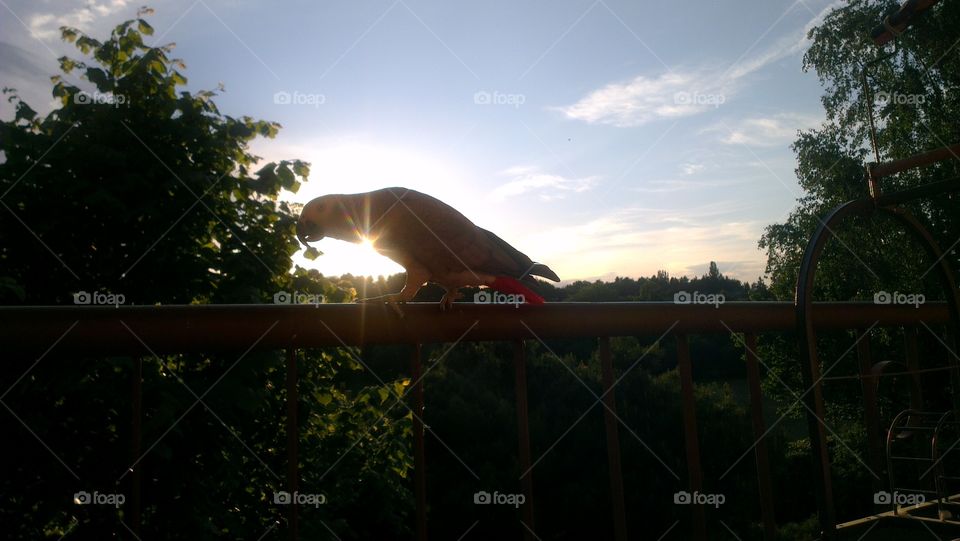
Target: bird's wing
(523, 266)
(416, 226)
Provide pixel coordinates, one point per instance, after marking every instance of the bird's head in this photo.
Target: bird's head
(327, 216)
(314, 219)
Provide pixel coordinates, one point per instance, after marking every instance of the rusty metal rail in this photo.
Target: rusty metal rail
(27, 331)
(106, 330)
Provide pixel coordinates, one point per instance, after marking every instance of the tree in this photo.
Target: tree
(914, 99)
(135, 186)
(914, 95)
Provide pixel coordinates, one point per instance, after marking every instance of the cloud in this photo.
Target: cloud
(640, 241)
(47, 25)
(662, 186)
(775, 130)
(681, 92)
(791, 44)
(644, 99)
(20, 62)
(692, 168)
(526, 179)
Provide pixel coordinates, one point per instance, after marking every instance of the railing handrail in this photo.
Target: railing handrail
(123, 330)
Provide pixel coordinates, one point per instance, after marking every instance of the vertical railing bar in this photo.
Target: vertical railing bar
(764, 480)
(871, 418)
(913, 365)
(523, 437)
(685, 368)
(817, 413)
(293, 443)
(613, 442)
(136, 442)
(419, 458)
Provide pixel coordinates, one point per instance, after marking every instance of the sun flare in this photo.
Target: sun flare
(341, 257)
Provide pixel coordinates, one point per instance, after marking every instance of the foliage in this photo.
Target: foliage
(913, 96)
(138, 187)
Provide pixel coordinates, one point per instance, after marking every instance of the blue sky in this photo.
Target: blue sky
(602, 137)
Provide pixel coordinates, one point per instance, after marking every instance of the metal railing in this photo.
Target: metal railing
(27, 331)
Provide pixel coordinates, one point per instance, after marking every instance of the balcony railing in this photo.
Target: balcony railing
(26, 331)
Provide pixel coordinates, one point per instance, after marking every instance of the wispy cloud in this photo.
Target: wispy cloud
(691, 168)
(20, 62)
(661, 186)
(526, 179)
(683, 91)
(644, 99)
(639, 241)
(47, 25)
(774, 130)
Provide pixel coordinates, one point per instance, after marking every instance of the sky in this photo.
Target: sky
(601, 137)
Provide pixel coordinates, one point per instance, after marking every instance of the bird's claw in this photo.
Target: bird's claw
(446, 303)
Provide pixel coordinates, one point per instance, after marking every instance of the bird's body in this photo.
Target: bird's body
(430, 239)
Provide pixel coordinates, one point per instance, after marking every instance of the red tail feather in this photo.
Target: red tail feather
(508, 285)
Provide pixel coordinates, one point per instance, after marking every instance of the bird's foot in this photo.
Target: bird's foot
(446, 303)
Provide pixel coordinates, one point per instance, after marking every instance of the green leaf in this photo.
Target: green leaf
(157, 67)
(287, 178)
(99, 78)
(67, 64)
(68, 34)
(25, 112)
(302, 169)
(144, 27)
(312, 253)
(87, 44)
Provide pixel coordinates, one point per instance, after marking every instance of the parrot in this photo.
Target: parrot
(430, 239)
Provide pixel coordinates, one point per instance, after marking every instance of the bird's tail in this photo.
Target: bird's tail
(505, 284)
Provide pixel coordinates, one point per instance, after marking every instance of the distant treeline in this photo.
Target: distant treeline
(659, 287)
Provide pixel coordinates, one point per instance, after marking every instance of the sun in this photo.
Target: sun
(341, 257)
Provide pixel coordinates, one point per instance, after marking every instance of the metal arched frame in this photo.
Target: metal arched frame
(807, 336)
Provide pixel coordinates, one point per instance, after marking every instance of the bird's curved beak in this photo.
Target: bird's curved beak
(308, 232)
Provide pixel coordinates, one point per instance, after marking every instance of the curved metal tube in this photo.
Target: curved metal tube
(807, 337)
